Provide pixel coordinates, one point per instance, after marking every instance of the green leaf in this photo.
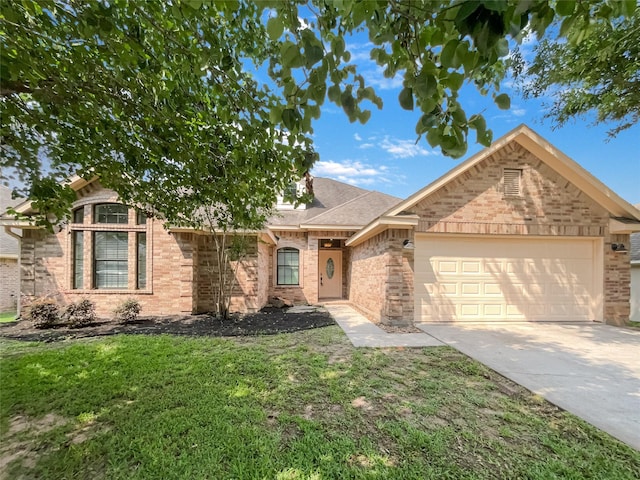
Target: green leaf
(275, 28)
(426, 122)
(503, 101)
(290, 54)
(334, 94)
(565, 7)
(502, 48)
(364, 116)
(567, 23)
(406, 98)
(275, 115)
(313, 54)
(434, 136)
(426, 85)
(291, 119)
(454, 81)
(628, 7)
(337, 46)
(348, 105)
(448, 57)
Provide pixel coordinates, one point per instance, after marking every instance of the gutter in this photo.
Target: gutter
(407, 222)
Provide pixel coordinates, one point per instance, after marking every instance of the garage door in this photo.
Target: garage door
(506, 279)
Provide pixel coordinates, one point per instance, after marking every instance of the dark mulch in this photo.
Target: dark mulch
(268, 321)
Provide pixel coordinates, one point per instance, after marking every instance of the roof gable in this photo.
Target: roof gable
(547, 153)
(335, 204)
(522, 138)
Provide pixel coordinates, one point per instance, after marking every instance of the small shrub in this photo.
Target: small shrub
(80, 313)
(43, 312)
(127, 311)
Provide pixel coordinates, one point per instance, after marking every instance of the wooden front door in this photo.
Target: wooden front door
(330, 274)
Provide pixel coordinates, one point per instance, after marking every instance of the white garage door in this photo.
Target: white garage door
(507, 279)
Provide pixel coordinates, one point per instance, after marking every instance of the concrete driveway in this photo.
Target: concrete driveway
(591, 370)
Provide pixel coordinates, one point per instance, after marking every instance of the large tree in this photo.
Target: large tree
(596, 73)
(151, 97)
(158, 98)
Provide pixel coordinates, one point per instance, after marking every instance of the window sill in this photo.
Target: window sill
(104, 291)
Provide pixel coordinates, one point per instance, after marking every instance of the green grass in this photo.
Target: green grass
(8, 316)
(297, 406)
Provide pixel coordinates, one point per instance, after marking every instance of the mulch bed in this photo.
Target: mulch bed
(268, 321)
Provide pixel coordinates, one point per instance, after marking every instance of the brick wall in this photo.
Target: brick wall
(381, 278)
(46, 270)
(475, 203)
(617, 282)
(308, 245)
(247, 294)
(9, 281)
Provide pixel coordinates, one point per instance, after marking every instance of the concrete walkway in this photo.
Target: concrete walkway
(591, 370)
(364, 333)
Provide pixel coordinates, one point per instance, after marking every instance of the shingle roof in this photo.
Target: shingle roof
(336, 203)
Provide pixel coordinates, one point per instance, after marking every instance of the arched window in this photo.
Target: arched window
(109, 251)
(111, 213)
(288, 266)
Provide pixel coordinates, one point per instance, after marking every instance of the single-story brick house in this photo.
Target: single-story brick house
(518, 232)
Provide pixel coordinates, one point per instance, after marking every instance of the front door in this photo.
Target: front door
(330, 274)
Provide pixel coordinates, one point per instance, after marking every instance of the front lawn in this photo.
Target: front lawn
(303, 405)
(8, 316)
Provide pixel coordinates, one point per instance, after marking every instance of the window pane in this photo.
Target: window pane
(78, 259)
(78, 215)
(141, 241)
(288, 266)
(141, 218)
(110, 259)
(111, 213)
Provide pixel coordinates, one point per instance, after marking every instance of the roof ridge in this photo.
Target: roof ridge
(342, 205)
(367, 192)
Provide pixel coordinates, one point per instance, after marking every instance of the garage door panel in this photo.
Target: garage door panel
(471, 288)
(472, 267)
(445, 267)
(475, 279)
(493, 310)
(492, 289)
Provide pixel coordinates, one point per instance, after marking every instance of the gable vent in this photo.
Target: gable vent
(512, 178)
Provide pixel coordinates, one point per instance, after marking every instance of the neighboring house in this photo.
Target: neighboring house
(635, 276)
(517, 232)
(9, 267)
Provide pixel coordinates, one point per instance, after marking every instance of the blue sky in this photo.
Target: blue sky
(382, 154)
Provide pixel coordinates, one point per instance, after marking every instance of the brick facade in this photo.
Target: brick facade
(178, 279)
(377, 274)
(381, 278)
(10, 281)
(308, 245)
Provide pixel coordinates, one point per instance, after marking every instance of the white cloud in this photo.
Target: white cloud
(352, 172)
(367, 145)
(518, 111)
(355, 172)
(360, 52)
(304, 24)
(357, 137)
(346, 168)
(375, 77)
(404, 148)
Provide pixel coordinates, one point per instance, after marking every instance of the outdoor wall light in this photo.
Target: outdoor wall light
(408, 244)
(619, 248)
